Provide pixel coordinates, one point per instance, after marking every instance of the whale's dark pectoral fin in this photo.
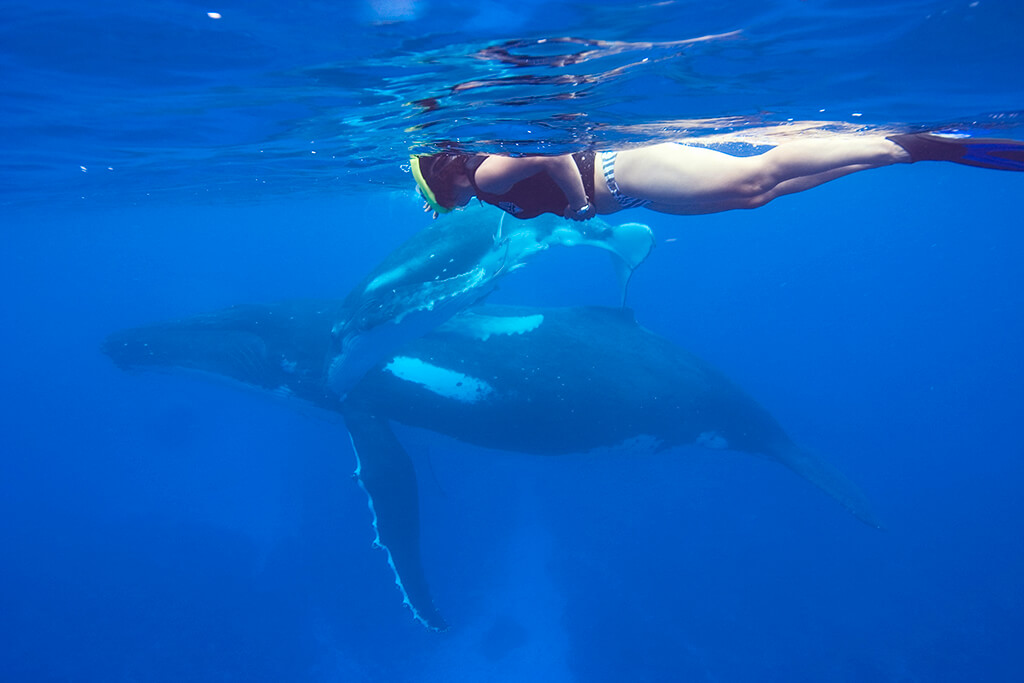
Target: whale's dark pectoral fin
(386, 473)
(830, 480)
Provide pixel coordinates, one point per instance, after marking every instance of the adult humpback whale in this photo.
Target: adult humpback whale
(574, 379)
(448, 266)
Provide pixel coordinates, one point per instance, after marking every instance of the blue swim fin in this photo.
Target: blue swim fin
(997, 153)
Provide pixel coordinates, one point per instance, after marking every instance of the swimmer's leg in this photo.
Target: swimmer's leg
(692, 180)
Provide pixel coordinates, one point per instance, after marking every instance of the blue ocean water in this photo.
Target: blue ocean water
(159, 162)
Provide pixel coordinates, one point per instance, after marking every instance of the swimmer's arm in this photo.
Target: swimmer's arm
(498, 174)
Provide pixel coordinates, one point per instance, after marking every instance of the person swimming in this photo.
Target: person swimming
(681, 179)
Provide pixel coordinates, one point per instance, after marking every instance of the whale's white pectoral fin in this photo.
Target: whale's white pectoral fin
(630, 244)
(386, 473)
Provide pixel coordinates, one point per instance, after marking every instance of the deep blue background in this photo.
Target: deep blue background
(156, 528)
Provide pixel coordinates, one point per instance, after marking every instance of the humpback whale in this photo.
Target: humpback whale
(448, 266)
(575, 380)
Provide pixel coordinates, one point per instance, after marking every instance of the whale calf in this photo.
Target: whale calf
(448, 266)
(531, 380)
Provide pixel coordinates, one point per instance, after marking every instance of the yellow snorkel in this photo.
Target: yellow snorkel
(428, 194)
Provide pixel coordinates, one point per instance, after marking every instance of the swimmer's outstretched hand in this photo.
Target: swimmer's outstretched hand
(429, 209)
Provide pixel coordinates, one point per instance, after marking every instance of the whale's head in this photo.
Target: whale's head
(278, 347)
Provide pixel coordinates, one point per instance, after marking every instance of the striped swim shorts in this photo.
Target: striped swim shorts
(608, 168)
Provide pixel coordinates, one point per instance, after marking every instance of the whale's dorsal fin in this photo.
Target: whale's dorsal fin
(386, 473)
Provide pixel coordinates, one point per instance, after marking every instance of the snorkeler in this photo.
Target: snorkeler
(680, 179)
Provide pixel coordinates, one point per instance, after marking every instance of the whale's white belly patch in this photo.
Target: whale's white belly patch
(441, 381)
